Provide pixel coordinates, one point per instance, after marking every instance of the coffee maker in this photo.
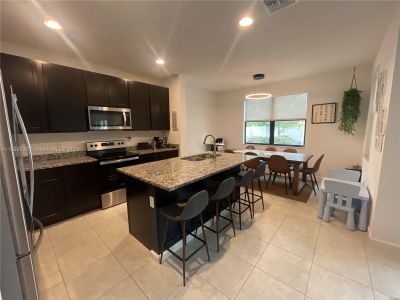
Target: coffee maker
(161, 142)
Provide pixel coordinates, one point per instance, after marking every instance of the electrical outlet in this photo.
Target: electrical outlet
(151, 198)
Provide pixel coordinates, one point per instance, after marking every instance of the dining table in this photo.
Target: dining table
(298, 160)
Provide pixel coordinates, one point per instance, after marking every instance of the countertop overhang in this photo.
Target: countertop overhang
(171, 174)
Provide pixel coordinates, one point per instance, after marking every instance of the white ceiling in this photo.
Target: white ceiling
(202, 39)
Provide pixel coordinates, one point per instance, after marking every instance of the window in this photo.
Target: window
(257, 132)
(277, 121)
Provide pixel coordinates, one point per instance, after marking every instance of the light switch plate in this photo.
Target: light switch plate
(151, 198)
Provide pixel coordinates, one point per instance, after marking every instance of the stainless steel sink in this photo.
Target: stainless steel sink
(200, 157)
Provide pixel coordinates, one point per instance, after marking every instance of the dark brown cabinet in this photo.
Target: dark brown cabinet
(139, 98)
(66, 98)
(159, 107)
(49, 204)
(104, 90)
(158, 156)
(81, 191)
(54, 98)
(26, 79)
(96, 89)
(150, 106)
(117, 92)
(65, 192)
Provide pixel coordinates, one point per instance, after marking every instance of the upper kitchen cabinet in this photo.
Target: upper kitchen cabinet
(117, 92)
(139, 98)
(104, 90)
(96, 89)
(25, 77)
(159, 107)
(66, 98)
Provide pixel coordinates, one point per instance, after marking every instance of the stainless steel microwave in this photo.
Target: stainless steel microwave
(109, 118)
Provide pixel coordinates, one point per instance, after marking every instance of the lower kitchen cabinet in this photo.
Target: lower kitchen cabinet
(49, 204)
(81, 191)
(65, 192)
(158, 156)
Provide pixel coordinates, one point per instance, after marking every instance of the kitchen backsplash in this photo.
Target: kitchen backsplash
(45, 143)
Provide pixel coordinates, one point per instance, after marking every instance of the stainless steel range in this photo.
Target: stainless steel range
(111, 155)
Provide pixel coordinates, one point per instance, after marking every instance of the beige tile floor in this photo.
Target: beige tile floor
(286, 252)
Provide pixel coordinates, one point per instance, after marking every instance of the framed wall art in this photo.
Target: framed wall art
(324, 113)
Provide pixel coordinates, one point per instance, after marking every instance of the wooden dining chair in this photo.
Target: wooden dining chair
(279, 164)
(253, 163)
(270, 149)
(311, 172)
(250, 147)
(290, 150)
(229, 151)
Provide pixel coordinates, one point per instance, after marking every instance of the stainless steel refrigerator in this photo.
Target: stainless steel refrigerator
(17, 243)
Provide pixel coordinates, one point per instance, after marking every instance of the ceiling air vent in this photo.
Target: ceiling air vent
(277, 5)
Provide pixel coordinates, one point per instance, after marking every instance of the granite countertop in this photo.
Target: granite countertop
(62, 162)
(173, 173)
(55, 160)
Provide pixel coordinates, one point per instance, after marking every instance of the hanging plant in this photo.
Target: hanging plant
(350, 107)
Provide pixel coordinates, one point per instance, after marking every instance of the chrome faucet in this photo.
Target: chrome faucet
(214, 143)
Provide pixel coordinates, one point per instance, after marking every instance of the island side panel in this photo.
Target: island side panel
(142, 218)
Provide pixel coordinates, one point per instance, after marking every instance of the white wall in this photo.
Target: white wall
(199, 119)
(340, 150)
(174, 104)
(47, 142)
(382, 168)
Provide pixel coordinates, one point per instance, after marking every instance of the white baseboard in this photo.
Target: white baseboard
(379, 240)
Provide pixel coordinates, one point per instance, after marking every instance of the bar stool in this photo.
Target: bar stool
(193, 208)
(258, 173)
(224, 191)
(243, 181)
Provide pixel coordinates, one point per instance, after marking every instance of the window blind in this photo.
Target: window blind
(277, 108)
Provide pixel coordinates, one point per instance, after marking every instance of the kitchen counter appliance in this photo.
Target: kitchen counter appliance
(111, 155)
(161, 142)
(109, 118)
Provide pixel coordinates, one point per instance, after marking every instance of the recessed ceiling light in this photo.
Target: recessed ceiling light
(258, 96)
(160, 61)
(53, 24)
(246, 21)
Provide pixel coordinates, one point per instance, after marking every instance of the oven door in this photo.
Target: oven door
(109, 178)
(112, 183)
(109, 118)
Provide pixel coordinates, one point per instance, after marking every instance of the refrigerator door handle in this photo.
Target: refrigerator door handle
(29, 148)
(41, 231)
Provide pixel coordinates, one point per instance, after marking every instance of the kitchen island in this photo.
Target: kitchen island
(154, 185)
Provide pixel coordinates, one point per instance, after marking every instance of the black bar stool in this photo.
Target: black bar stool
(224, 191)
(258, 173)
(243, 181)
(193, 208)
